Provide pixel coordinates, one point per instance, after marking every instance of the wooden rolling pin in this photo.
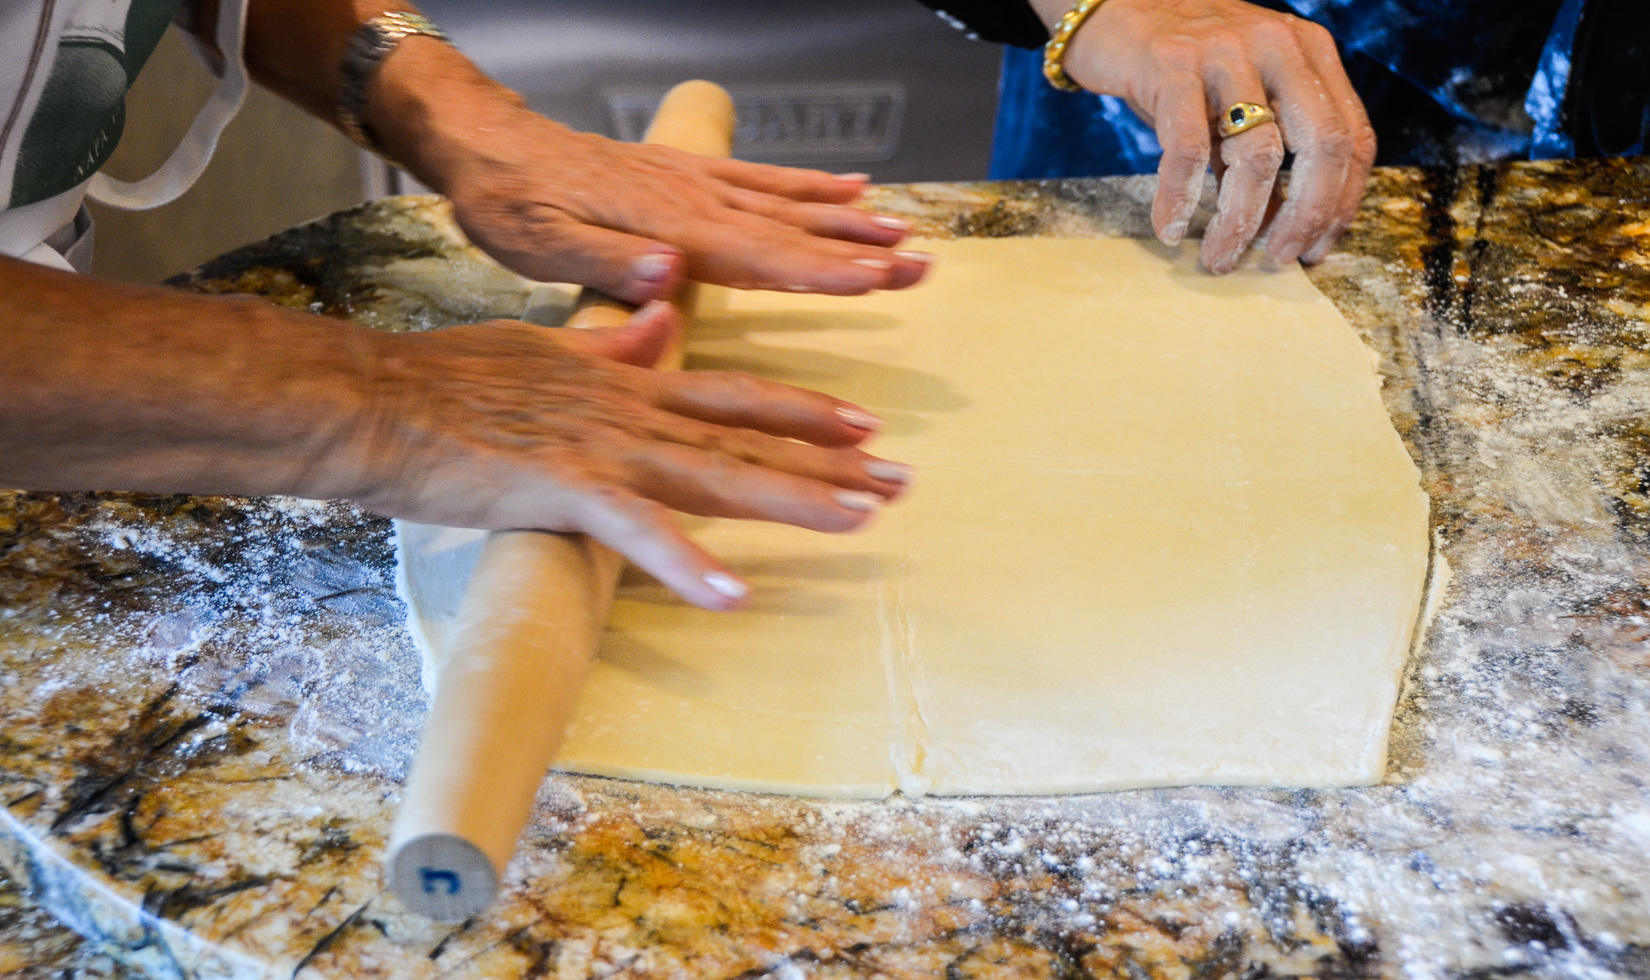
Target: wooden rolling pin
(525, 636)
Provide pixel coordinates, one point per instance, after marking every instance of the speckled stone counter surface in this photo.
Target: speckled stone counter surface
(35, 946)
(209, 705)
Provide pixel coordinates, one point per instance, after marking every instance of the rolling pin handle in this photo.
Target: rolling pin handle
(444, 877)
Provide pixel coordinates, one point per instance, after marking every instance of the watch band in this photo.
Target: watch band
(371, 43)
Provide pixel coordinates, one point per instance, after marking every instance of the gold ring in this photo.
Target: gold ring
(1244, 116)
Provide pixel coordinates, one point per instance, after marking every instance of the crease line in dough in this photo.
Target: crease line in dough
(907, 728)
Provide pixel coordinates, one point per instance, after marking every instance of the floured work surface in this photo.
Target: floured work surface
(1163, 533)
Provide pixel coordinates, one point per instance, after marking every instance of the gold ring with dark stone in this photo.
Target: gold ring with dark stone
(1244, 116)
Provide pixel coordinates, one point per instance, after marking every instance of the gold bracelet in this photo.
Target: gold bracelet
(1054, 52)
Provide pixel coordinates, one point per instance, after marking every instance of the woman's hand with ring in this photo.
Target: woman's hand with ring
(1180, 64)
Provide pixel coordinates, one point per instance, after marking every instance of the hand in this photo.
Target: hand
(508, 425)
(632, 220)
(1180, 63)
(498, 425)
(561, 206)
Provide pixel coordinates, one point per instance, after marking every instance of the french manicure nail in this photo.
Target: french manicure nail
(727, 585)
(1318, 252)
(858, 500)
(652, 267)
(922, 257)
(889, 221)
(882, 469)
(1283, 247)
(853, 178)
(874, 263)
(858, 418)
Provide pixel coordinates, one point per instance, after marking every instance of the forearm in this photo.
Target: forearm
(296, 47)
(426, 104)
(112, 387)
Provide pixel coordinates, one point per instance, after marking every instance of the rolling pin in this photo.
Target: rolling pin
(526, 633)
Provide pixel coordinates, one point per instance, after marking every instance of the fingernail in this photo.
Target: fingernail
(853, 178)
(652, 306)
(1174, 233)
(874, 263)
(881, 469)
(923, 257)
(727, 585)
(889, 221)
(652, 267)
(797, 287)
(857, 500)
(858, 418)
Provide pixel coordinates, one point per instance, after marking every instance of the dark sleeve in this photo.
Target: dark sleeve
(1607, 103)
(1002, 21)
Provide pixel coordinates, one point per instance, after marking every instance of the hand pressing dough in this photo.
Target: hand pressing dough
(1163, 533)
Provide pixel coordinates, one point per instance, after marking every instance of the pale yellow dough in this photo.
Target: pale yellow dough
(1163, 533)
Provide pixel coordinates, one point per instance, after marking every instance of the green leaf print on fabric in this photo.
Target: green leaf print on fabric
(82, 111)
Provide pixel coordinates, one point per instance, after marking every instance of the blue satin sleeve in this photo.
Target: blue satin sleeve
(1043, 132)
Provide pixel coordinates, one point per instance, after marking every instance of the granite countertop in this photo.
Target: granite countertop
(210, 704)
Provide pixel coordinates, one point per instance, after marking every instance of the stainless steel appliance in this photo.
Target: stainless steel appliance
(880, 86)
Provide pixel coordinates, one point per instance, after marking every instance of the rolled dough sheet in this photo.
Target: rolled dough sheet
(1163, 533)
